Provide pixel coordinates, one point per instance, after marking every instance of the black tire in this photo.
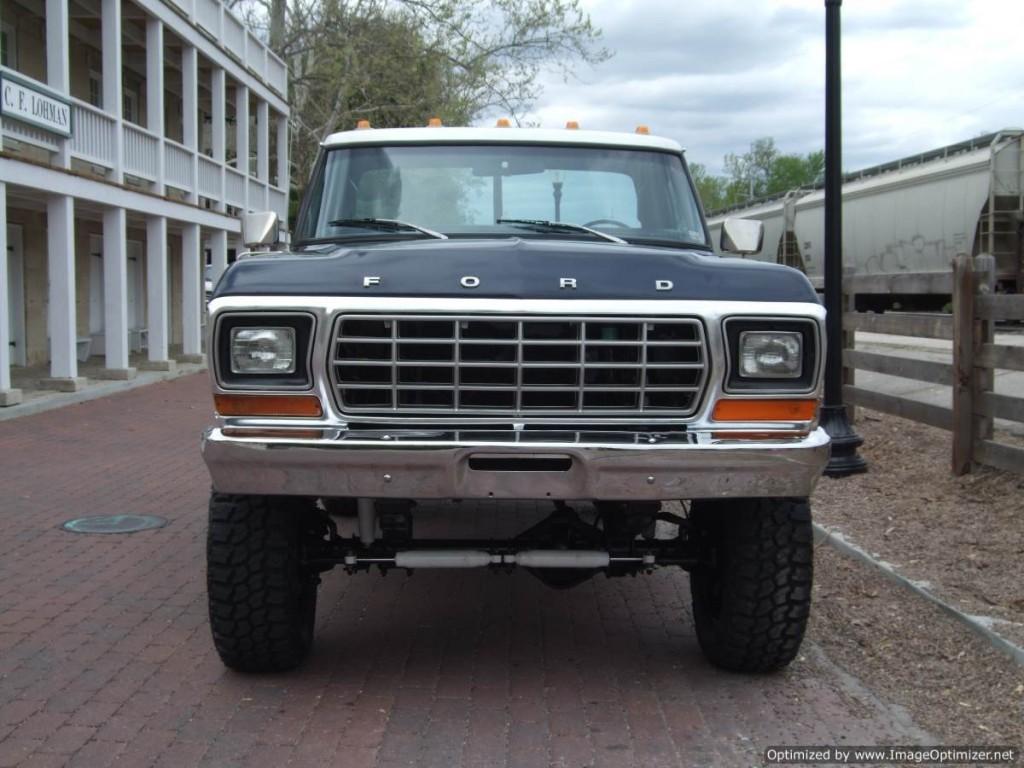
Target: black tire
(752, 599)
(262, 600)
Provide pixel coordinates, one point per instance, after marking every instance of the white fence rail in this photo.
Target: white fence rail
(208, 16)
(209, 178)
(277, 73)
(255, 55)
(94, 134)
(278, 201)
(177, 165)
(29, 134)
(257, 195)
(234, 188)
(233, 36)
(141, 152)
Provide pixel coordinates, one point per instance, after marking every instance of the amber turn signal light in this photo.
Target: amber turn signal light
(268, 405)
(765, 410)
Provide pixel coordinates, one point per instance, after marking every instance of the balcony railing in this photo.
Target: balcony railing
(94, 141)
(177, 165)
(231, 34)
(94, 137)
(141, 152)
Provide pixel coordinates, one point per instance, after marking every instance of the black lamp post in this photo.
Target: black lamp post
(845, 459)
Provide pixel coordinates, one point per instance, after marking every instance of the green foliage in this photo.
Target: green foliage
(400, 62)
(712, 189)
(760, 172)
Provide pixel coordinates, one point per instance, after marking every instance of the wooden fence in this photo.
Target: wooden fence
(971, 373)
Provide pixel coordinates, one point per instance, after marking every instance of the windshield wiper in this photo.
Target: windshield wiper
(387, 225)
(561, 226)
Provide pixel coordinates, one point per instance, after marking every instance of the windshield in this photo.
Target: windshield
(463, 190)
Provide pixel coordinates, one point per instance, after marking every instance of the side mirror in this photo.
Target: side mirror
(743, 236)
(259, 228)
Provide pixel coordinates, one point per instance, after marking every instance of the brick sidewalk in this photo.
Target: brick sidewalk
(106, 659)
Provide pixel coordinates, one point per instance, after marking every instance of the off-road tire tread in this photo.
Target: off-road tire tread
(262, 601)
(766, 594)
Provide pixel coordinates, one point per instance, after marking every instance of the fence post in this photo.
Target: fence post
(984, 333)
(963, 363)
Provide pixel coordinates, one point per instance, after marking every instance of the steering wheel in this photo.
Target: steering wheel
(609, 222)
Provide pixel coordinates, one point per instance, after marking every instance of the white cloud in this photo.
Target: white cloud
(716, 76)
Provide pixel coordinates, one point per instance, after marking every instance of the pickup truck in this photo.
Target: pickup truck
(511, 314)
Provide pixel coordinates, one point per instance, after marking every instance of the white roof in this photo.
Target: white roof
(442, 135)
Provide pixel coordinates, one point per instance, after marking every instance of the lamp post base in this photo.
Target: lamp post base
(845, 460)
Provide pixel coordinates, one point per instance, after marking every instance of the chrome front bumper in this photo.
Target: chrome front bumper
(381, 465)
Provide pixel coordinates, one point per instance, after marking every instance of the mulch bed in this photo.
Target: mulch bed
(964, 536)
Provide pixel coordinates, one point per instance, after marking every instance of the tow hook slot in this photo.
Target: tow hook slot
(493, 462)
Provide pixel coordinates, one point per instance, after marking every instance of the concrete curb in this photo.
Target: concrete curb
(978, 624)
(95, 391)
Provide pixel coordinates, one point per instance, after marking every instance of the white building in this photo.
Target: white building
(132, 134)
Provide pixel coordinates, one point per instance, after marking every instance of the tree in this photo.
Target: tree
(399, 62)
(762, 171)
(711, 189)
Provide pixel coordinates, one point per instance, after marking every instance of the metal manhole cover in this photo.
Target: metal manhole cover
(114, 524)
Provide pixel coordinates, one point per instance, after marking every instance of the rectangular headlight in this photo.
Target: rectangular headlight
(771, 355)
(263, 350)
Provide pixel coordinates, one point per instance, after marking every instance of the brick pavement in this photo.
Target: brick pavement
(106, 659)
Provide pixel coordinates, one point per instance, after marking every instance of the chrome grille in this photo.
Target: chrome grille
(518, 365)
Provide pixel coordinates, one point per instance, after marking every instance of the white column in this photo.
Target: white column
(155, 95)
(242, 136)
(58, 72)
(191, 304)
(156, 291)
(8, 396)
(190, 110)
(218, 253)
(218, 95)
(115, 293)
(283, 180)
(110, 21)
(60, 226)
(263, 140)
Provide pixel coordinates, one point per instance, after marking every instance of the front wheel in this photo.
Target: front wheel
(262, 598)
(752, 592)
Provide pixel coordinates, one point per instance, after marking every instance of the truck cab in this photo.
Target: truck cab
(506, 313)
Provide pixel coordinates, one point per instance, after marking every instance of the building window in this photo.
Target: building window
(95, 88)
(8, 46)
(130, 107)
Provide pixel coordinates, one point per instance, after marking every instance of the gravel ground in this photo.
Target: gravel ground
(912, 654)
(964, 536)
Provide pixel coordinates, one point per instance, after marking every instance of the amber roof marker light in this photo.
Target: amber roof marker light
(362, 125)
(434, 122)
(572, 125)
(503, 122)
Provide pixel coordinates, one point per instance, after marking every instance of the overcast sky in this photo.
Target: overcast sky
(716, 75)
